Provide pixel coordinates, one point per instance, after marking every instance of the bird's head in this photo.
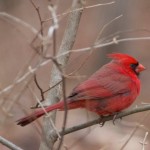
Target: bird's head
(128, 62)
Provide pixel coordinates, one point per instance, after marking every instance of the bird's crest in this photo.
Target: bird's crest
(122, 57)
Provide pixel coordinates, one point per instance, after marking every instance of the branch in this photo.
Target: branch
(9, 144)
(104, 119)
(9, 17)
(54, 94)
(66, 54)
(111, 42)
(80, 9)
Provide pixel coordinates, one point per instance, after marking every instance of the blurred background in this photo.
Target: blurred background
(17, 54)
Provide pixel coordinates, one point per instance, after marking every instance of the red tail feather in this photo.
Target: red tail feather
(28, 119)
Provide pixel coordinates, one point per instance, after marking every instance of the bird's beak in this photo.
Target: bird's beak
(140, 68)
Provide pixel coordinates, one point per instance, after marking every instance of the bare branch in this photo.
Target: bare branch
(9, 144)
(107, 118)
(133, 132)
(112, 42)
(81, 9)
(144, 141)
(56, 76)
(96, 42)
(39, 15)
(66, 53)
(21, 22)
(105, 26)
(40, 89)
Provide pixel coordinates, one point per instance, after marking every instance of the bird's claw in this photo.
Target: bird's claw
(115, 117)
(101, 122)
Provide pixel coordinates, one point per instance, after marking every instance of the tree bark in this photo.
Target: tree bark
(50, 134)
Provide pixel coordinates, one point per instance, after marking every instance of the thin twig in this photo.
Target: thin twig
(39, 15)
(9, 87)
(52, 86)
(55, 25)
(21, 22)
(81, 9)
(37, 8)
(101, 45)
(18, 95)
(133, 132)
(22, 78)
(9, 144)
(144, 141)
(46, 113)
(105, 26)
(96, 41)
(41, 90)
(119, 33)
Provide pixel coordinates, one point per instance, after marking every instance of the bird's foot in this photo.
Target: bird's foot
(101, 122)
(115, 117)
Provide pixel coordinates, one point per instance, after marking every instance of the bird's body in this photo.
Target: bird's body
(111, 89)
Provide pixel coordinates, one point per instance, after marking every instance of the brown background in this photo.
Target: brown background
(15, 52)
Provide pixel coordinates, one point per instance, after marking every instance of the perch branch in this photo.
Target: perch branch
(104, 119)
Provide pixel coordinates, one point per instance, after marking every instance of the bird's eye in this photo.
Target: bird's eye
(133, 66)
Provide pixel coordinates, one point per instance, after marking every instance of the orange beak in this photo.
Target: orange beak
(140, 68)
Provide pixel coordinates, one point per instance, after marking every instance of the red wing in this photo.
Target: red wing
(102, 84)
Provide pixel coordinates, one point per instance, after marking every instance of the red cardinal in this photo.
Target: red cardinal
(111, 89)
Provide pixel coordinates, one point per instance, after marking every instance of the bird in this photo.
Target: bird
(111, 89)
